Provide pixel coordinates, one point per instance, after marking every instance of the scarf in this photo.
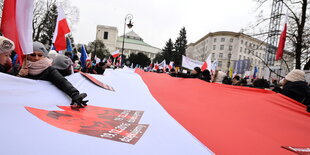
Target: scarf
(36, 68)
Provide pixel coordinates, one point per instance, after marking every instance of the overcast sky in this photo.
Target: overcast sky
(158, 20)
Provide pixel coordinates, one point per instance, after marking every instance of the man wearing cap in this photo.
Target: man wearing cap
(295, 87)
(6, 47)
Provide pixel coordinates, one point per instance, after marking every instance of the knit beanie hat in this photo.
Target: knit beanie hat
(295, 75)
(52, 54)
(37, 46)
(220, 76)
(62, 62)
(6, 45)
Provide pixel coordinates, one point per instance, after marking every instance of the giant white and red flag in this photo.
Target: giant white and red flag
(279, 53)
(16, 24)
(61, 29)
(245, 121)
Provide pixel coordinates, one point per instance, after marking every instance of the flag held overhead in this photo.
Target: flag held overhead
(61, 29)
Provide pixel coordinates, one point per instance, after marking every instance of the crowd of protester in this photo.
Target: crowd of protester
(52, 66)
(293, 85)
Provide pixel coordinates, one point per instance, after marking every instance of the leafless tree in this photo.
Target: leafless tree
(298, 28)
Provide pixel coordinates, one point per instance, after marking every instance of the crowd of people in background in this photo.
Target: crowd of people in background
(52, 66)
(293, 85)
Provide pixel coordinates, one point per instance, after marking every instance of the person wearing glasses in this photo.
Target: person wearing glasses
(37, 66)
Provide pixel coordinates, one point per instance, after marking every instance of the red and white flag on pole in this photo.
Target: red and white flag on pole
(171, 65)
(61, 29)
(115, 54)
(16, 24)
(206, 64)
(156, 67)
(282, 40)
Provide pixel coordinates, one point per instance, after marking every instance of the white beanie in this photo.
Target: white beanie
(295, 75)
(220, 76)
(52, 54)
(6, 45)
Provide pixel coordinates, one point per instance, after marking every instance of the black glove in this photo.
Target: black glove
(77, 100)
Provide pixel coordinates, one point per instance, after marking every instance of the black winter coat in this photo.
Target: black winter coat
(12, 71)
(52, 75)
(298, 91)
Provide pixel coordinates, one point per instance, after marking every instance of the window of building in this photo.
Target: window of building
(241, 41)
(222, 47)
(230, 48)
(239, 57)
(243, 57)
(221, 55)
(246, 43)
(245, 50)
(214, 47)
(105, 35)
(240, 49)
(256, 53)
(255, 61)
(250, 44)
(219, 64)
(214, 40)
(231, 40)
(222, 39)
(213, 55)
(260, 54)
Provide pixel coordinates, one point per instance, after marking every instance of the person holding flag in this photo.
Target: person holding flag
(37, 66)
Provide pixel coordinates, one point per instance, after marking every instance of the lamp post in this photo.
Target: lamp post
(130, 25)
(228, 63)
(95, 50)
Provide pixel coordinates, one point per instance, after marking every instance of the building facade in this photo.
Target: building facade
(230, 47)
(133, 43)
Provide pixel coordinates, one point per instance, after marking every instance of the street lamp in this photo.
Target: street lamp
(95, 50)
(228, 63)
(130, 25)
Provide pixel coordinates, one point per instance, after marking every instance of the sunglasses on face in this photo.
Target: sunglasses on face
(39, 55)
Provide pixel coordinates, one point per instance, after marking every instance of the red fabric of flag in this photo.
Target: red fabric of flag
(9, 26)
(281, 45)
(232, 119)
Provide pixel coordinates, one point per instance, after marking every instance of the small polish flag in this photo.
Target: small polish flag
(206, 64)
(115, 54)
(171, 65)
(61, 29)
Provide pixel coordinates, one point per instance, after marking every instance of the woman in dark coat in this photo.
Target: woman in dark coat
(295, 87)
(37, 66)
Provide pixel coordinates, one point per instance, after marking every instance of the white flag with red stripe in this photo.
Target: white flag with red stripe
(16, 24)
(61, 29)
(206, 64)
(171, 65)
(115, 54)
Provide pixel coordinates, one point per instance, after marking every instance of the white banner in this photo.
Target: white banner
(190, 63)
